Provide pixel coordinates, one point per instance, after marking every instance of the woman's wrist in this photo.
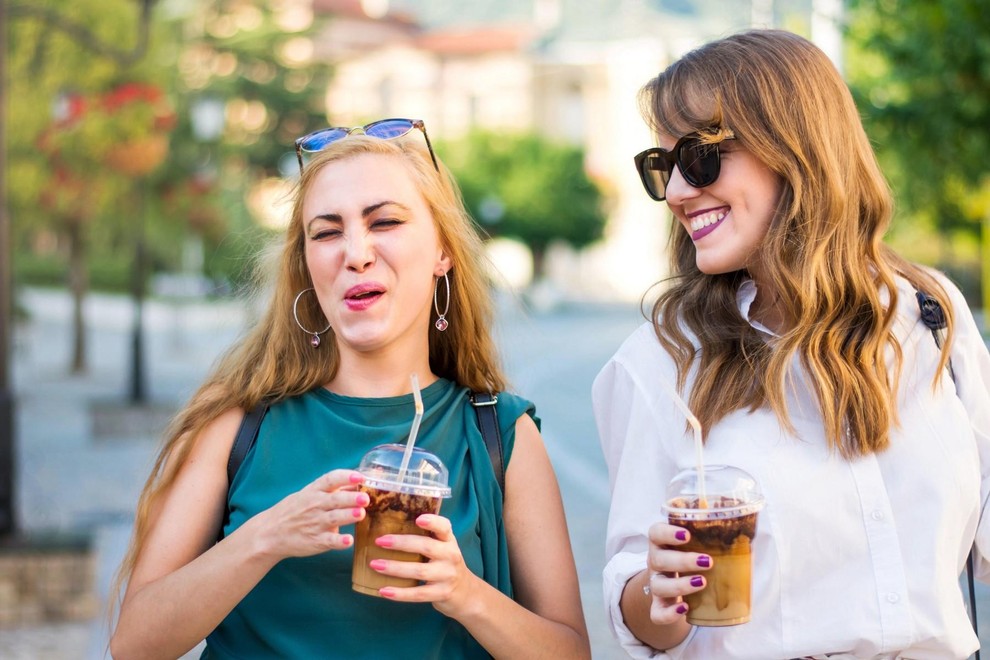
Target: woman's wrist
(636, 603)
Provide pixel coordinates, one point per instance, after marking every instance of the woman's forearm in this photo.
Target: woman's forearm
(169, 616)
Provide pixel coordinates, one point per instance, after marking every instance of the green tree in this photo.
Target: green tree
(528, 188)
(920, 70)
(69, 65)
(66, 126)
(253, 59)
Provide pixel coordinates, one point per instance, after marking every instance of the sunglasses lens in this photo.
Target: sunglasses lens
(698, 162)
(655, 173)
(390, 128)
(321, 139)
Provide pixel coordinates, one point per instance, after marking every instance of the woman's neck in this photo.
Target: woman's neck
(379, 375)
(767, 309)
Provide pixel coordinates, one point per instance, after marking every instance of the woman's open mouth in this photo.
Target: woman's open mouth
(363, 296)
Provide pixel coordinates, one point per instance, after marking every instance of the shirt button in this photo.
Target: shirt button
(893, 598)
(877, 515)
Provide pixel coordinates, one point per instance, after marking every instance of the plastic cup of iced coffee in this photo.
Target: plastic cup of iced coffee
(394, 505)
(720, 515)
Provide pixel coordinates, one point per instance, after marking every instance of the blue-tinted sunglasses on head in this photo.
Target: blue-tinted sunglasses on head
(385, 129)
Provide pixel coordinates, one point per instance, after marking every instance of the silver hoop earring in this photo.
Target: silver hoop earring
(441, 322)
(315, 336)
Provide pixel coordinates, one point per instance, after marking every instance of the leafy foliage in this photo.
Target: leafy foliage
(920, 71)
(525, 187)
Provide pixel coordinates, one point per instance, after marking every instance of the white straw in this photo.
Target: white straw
(418, 399)
(698, 447)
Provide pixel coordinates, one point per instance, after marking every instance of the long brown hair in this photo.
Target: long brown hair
(275, 360)
(823, 255)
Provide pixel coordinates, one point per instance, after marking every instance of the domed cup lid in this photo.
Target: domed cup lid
(728, 492)
(425, 475)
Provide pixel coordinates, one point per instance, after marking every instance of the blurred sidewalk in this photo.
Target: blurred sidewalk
(83, 450)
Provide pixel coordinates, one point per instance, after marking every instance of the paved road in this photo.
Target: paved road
(82, 461)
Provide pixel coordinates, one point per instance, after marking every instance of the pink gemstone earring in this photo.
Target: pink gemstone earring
(441, 322)
(314, 336)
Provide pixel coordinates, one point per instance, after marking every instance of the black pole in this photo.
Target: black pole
(8, 522)
(138, 392)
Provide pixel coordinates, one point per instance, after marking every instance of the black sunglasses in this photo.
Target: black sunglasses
(385, 129)
(696, 156)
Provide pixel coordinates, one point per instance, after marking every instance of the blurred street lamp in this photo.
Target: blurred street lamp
(207, 116)
(138, 159)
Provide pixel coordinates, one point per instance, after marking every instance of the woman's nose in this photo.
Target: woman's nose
(360, 252)
(678, 189)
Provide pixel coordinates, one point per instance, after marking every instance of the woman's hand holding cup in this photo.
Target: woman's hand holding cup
(664, 563)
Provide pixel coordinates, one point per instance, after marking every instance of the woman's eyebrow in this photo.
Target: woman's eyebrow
(365, 212)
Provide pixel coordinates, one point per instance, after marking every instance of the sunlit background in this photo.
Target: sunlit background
(148, 161)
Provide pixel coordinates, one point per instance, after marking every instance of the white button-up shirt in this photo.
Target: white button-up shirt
(860, 557)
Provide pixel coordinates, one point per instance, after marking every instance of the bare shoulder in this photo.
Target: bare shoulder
(217, 436)
(530, 465)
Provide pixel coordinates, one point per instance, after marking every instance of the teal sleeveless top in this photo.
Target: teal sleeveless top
(304, 607)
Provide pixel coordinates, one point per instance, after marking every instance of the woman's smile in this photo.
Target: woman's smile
(705, 222)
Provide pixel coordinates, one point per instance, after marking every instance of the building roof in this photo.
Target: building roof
(477, 40)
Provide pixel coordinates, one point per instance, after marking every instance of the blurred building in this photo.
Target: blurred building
(567, 69)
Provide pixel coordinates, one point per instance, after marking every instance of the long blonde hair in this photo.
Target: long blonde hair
(823, 254)
(275, 359)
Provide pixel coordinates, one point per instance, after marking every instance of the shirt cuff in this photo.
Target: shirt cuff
(619, 569)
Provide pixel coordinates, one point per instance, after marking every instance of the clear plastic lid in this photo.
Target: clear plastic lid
(728, 490)
(425, 475)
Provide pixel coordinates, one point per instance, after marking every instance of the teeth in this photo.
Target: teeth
(703, 221)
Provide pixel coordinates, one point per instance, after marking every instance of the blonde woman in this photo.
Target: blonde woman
(795, 336)
(380, 277)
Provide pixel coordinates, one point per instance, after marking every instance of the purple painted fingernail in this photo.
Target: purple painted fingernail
(681, 608)
(697, 581)
(680, 535)
(704, 561)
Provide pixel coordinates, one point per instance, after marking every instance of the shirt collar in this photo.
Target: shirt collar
(745, 296)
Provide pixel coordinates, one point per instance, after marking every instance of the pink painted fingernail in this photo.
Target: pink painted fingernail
(377, 564)
(346, 540)
(356, 477)
(386, 541)
(680, 535)
(697, 581)
(357, 511)
(363, 499)
(386, 592)
(704, 561)
(423, 520)
(681, 608)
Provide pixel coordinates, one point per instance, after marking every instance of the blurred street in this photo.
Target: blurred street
(83, 453)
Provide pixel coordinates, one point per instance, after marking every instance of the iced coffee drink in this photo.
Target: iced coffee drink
(393, 508)
(722, 524)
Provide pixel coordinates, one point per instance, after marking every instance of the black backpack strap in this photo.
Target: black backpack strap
(484, 408)
(247, 433)
(933, 317)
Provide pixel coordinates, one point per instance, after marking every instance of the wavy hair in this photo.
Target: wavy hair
(823, 254)
(275, 360)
